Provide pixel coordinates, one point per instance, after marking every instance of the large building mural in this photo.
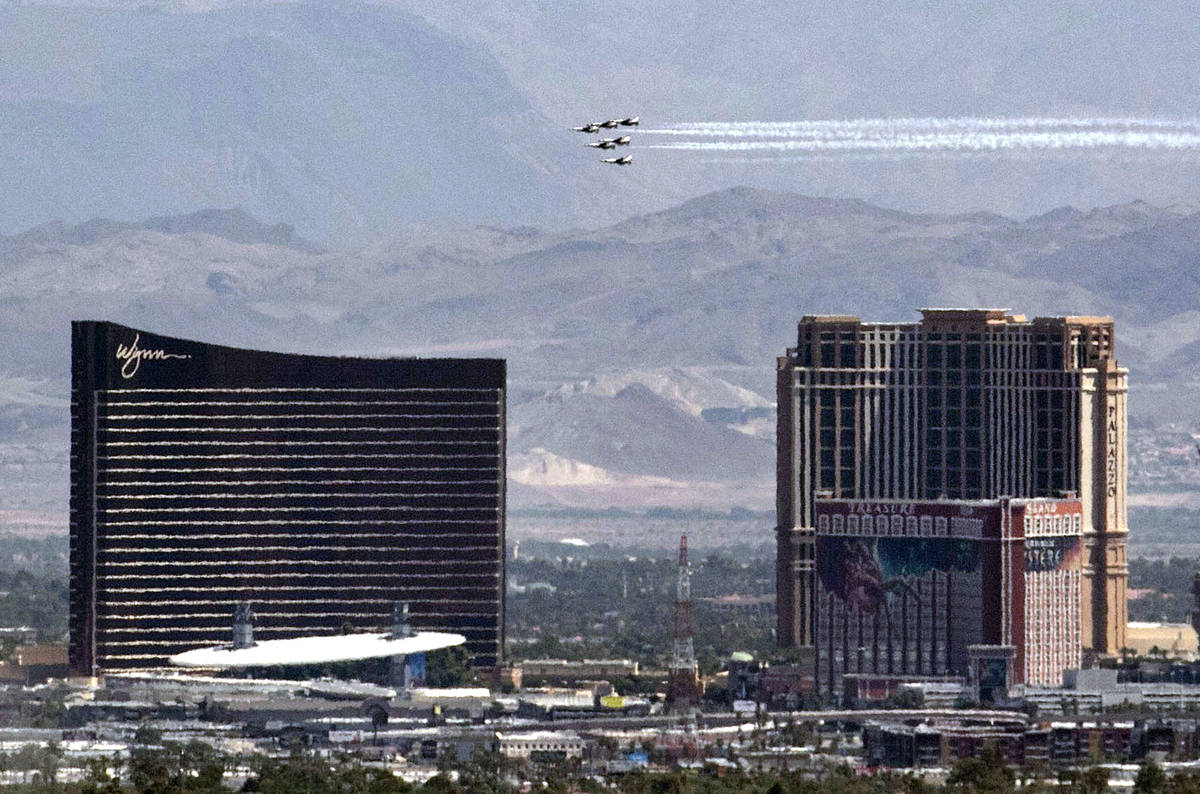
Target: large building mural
(863, 572)
(907, 588)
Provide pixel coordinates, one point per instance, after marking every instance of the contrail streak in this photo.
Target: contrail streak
(875, 137)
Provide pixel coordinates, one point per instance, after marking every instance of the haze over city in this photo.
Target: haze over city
(617, 236)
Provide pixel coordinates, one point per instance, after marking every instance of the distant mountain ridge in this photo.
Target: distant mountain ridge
(349, 119)
(339, 118)
(715, 281)
(641, 354)
(234, 225)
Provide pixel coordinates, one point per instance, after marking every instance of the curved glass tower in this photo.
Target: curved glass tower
(320, 489)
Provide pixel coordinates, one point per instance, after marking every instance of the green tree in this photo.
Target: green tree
(147, 735)
(441, 784)
(906, 699)
(988, 773)
(484, 773)
(304, 773)
(175, 768)
(448, 668)
(48, 762)
(47, 712)
(1182, 783)
(99, 779)
(150, 770)
(201, 766)
(1093, 780)
(299, 773)
(25, 760)
(381, 781)
(1150, 779)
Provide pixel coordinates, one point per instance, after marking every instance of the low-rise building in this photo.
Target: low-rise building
(35, 664)
(542, 747)
(1064, 743)
(575, 670)
(1097, 690)
(1173, 640)
(784, 686)
(927, 691)
(550, 703)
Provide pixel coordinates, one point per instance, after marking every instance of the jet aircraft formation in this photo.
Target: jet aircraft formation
(593, 127)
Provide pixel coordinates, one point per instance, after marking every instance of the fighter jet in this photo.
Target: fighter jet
(626, 160)
(611, 124)
(591, 126)
(632, 121)
(607, 143)
(622, 141)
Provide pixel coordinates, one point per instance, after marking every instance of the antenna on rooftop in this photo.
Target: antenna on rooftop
(243, 626)
(401, 626)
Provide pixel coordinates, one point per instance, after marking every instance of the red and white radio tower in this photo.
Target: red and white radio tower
(683, 679)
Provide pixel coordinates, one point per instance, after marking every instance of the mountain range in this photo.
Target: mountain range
(349, 119)
(338, 118)
(636, 350)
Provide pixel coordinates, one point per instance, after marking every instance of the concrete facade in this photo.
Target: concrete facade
(965, 404)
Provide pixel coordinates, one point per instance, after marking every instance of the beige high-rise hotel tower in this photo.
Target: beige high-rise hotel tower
(965, 404)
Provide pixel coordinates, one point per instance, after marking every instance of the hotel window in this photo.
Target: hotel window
(848, 349)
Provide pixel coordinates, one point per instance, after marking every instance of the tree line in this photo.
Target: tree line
(155, 766)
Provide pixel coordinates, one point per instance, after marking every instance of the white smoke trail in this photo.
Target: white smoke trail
(876, 137)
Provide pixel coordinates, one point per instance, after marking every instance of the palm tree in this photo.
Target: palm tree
(97, 772)
(25, 760)
(49, 759)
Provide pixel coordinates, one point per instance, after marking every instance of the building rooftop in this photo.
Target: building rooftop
(962, 314)
(1175, 638)
(968, 314)
(317, 650)
(538, 736)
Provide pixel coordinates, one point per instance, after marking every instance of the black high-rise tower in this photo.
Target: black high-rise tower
(321, 489)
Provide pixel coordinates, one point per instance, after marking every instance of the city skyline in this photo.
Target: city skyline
(364, 307)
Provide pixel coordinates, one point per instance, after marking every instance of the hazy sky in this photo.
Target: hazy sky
(344, 118)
